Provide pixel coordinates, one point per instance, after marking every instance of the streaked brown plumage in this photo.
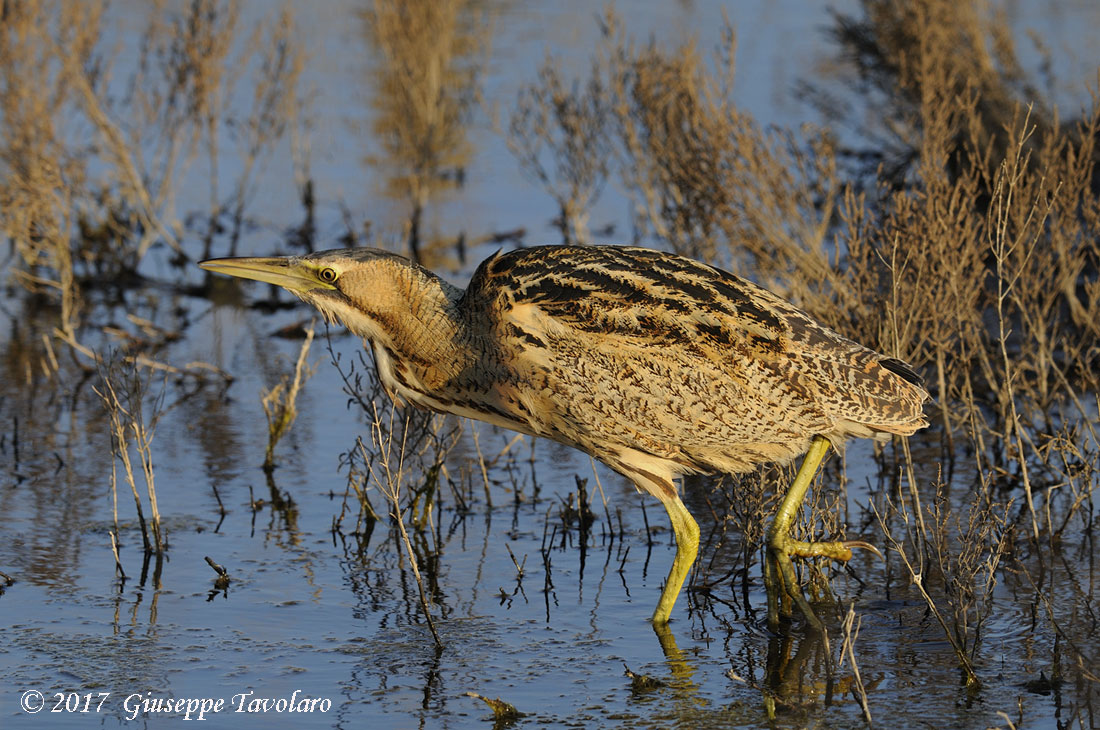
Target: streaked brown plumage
(655, 364)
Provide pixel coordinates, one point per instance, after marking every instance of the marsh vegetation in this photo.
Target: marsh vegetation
(937, 205)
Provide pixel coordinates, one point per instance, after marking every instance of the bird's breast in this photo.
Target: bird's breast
(474, 392)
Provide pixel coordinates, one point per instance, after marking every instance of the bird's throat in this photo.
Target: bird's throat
(415, 331)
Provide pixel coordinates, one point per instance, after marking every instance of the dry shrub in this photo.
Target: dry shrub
(706, 180)
(570, 126)
(983, 270)
(426, 85)
(274, 107)
(886, 51)
(423, 439)
(977, 260)
(132, 429)
(40, 168)
(710, 182)
(89, 177)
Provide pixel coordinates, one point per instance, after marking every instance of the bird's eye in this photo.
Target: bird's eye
(328, 275)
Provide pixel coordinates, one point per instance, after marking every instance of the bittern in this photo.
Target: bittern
(652, 363)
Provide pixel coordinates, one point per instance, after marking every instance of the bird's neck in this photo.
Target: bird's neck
(419, 343)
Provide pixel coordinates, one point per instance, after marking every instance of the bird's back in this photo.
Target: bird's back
(611, 348)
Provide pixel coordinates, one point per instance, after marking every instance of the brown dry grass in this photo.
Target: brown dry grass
(425, 88)
(568, 126)
(280, 402)
(132, 430)
(89, 176)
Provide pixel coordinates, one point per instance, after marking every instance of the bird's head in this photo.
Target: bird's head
(364, 288)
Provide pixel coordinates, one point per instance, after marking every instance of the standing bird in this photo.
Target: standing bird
(655, 364)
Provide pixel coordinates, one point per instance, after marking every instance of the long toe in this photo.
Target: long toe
(836, 550)
(793, 589)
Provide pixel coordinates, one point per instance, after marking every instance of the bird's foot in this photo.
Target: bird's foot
(780, 578)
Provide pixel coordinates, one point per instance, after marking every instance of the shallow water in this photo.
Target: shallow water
(338, 618)
(334, 615)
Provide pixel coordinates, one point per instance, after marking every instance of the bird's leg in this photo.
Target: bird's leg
(779, 576)
(687, 547)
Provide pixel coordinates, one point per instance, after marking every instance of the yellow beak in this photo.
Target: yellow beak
(288, 273)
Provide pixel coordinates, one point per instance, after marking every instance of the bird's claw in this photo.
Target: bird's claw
(782, 584)
(865, 546)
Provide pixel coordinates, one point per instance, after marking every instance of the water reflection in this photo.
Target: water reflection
(680, 666)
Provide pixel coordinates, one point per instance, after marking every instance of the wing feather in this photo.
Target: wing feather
(639, 300)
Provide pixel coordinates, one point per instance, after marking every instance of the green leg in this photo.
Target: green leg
(779, 576)
(687, 547)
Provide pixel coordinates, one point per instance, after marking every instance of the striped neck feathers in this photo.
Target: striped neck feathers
(405, 310)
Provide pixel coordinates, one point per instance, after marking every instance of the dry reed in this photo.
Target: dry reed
(83, 210)
(280, 401)
(428, 59)
(131, 428)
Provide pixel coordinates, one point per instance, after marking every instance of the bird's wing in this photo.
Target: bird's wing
(635, 299)
(632, 295)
